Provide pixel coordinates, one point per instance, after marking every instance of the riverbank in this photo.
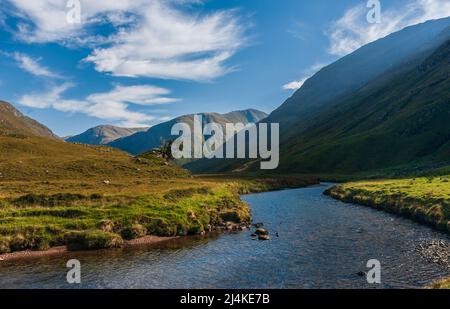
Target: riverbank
(28, 254)
(424, 200)
(76, 217)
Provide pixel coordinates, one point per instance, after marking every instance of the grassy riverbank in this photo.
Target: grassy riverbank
(424, 200)
(54, 194)
(92, 214)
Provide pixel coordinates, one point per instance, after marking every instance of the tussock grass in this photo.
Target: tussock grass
(440, 284)
(39, 221)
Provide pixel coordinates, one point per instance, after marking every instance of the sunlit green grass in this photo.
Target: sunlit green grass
(426, 200)
(32, 222)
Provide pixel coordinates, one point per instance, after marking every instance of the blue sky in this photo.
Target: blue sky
(141, 62)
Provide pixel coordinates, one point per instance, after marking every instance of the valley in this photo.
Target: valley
(370, 129)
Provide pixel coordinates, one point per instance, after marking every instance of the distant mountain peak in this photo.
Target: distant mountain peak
(148, 140)
(103, 134)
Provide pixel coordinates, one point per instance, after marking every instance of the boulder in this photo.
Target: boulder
(362, 273)
(261, 231)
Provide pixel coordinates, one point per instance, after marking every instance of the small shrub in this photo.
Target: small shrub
(4, 245)
(18, 243)
(134, 231)
(196, 228)
(92, 240)
(231, 216)
(106, 226)
(160, 227)
(96, 196)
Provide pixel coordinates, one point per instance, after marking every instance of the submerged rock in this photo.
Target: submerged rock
(362, 273)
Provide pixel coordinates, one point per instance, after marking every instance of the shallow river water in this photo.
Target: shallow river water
(322, 243)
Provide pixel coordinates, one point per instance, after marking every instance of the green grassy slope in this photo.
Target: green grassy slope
(394, 121)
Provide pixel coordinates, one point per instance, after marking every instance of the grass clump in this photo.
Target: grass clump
(134, 231)
(93, 240)
(440, 284)
(5, 245)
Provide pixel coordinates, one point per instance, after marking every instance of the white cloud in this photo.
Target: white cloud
(43, 21)
(33, 66)
(352, 30)
(297, 84)
(151, 38)
(112, 105)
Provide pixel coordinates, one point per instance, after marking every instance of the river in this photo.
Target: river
(322, 243)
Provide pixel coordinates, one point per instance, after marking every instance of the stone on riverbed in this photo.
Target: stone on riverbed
(261, 231)
(436, 251)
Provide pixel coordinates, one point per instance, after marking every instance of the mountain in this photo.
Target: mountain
(399, 119)
(153, 138)
(102, 135)
(31, 152)
(341, 79)
(353, 115)
(14, 122)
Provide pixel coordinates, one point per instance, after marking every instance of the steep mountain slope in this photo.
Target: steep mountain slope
(400, 119)
(319, 108)
(144, 141)
(14, 122)
(102, 135)
(340, 79)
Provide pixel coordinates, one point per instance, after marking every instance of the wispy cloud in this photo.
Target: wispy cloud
(112, 106)
(297, 84)
(352, 30)
(151, 38)
(33, 66)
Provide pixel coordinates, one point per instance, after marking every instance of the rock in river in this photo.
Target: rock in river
(261, 231)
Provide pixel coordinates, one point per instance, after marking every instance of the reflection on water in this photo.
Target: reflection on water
(322, 243)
